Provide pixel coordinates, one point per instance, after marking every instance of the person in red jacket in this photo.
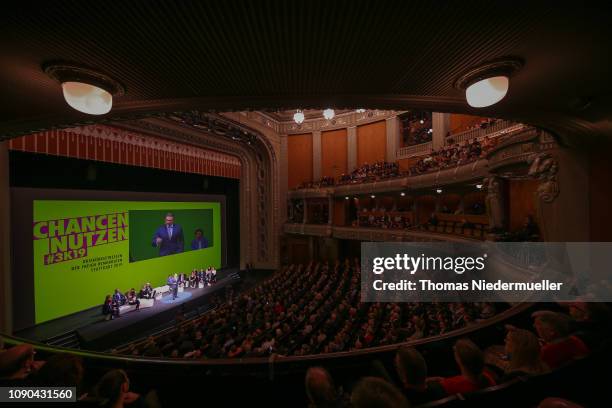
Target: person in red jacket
(559, 346)
(473, 377)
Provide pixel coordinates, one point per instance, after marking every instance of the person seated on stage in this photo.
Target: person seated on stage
(132, 299)
(119, 298)
(110, 309)
(147, 292)
(213, 275)
(180, 279)
(201, 275)
(208, 275)
(193, 279)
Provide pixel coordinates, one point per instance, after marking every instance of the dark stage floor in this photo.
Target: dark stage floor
(95, 333)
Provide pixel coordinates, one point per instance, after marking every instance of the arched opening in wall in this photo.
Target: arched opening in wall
(522, 195)
(449, 203)
(426, 206)
(474, 203)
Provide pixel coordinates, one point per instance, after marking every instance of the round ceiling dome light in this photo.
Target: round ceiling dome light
(360, 110)
(298, 117)
(488, 84)
(487, 92)
(87, 98)
(329, 114)
(84, 89)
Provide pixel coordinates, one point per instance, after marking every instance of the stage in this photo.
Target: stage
(96, 333)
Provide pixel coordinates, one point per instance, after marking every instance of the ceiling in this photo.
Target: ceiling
(283, 55)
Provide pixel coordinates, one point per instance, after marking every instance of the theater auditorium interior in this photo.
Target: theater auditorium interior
(188, 190)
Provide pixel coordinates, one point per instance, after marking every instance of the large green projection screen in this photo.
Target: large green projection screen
(83, 250)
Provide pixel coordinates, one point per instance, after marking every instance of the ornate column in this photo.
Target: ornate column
(316, 155)
(351, 144)
(6, 307)
(283, 179)
(392, 131)
(495, 204)
(440, 127)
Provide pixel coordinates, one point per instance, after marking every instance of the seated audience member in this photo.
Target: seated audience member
(466, 224)
(523, 353)
(113, 390)
(433, 220)
(376, 392)
(529, 231)
(559, 346)
(118, 298)
(132, 299)
(110, 309)
(473, 377)
(320, 388)
(557, 403)
(591, 322)
(17, 364)
(61, 370)
(412, 371)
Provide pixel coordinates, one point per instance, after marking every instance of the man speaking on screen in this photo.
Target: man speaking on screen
(169, 237)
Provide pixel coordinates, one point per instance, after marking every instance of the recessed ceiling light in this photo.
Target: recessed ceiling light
(402, 194)
(360, 110)
(346, 198)
(87, 98)
(85, 90)
(373, 196)
(488, 84)
(479, 186)
(487, 92)
(439, 190)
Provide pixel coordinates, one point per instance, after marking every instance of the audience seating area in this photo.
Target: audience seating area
(448, 156)
(472, 226)
(310, 316)
(305, 310)
(453, 155)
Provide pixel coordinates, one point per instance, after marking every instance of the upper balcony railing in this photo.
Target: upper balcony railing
(497, 128)
(414, 150)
